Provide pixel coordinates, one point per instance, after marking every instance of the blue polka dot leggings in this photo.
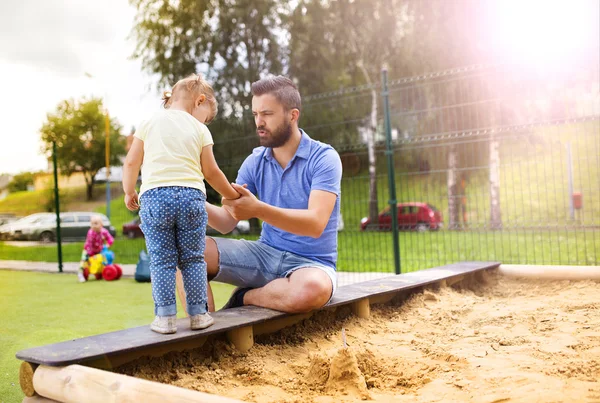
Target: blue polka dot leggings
(174, 224)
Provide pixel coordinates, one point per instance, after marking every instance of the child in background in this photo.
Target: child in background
(94, 242)
(174, 150)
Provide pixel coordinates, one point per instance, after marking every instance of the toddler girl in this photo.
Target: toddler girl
(94, 242)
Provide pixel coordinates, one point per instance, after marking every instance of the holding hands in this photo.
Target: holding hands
(244, 207)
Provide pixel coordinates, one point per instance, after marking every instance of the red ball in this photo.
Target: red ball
(110, 272)
(119, 271)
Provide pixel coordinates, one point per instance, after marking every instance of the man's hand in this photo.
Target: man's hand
(244, 207)
(131, 201)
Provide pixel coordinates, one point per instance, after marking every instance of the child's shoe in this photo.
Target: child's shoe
(201, 321)
(164, 324)
(81, 277)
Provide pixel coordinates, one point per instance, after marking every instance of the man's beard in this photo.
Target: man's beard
(277, 137)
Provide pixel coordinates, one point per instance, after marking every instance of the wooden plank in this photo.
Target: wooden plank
(407, 281)
(140, 339)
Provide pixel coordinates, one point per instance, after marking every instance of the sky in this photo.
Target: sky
(49, 48)
(46, 49)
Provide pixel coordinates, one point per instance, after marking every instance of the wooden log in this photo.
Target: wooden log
(26, 371)
(551, 272)
(38, 399)
(362, 308)
(242, 338)
(76, 383)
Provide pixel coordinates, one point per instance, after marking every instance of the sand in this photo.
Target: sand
(494, 340)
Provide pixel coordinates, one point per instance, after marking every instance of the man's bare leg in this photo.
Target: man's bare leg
(211, 257)
(305, 290)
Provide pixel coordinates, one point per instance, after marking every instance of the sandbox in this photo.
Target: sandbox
(481, 337)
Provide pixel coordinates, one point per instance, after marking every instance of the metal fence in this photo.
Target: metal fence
(511, 161)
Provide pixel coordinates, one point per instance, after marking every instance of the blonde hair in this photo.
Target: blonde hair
(191, 87)
(96, 219)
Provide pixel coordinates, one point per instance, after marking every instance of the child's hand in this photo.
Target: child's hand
(131, 201)
(237, 197)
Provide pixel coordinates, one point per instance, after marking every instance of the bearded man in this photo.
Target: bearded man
(292, 267)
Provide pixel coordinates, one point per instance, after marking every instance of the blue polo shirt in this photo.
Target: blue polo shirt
(315, 166)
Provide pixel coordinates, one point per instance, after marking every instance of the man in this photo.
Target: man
(291, 268)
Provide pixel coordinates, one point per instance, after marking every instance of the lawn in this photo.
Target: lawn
(42, 308)
(373, 251)
(360, 252)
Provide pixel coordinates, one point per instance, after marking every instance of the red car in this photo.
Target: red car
(132, 229)
(412, 215)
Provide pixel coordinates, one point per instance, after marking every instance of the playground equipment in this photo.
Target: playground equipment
(101, 266)
(75, 370)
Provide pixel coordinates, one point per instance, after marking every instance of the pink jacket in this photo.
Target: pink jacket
(95, 240)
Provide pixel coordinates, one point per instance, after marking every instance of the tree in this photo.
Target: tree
(234, 42)
(21, 182)
(78, 128)
(339, 40)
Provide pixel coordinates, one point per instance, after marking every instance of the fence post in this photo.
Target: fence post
(389, 152)
(570, 177)
(57, 208)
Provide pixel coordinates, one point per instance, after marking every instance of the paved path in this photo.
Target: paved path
(344, 278)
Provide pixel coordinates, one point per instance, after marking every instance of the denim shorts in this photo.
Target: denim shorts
(254, 264)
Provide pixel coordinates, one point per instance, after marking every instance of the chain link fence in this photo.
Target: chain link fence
(490, 163)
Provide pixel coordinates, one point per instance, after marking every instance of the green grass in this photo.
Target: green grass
(371, 251)
(40, 308)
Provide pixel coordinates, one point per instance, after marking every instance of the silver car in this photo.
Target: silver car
(42, 227)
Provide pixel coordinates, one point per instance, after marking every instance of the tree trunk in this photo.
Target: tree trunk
(373, 199)
(453, 196)
(495, 212)
(89, 185)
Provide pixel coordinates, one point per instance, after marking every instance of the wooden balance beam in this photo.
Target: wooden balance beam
(240, 325)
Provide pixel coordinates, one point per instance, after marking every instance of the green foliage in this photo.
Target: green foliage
(78, 128)
(21, 182)
(233, 41)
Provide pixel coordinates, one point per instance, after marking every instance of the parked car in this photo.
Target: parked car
(132, 229)
(413, 215)
(5, 218)
(42, 227)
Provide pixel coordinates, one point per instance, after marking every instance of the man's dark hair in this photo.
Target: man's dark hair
(282, 88)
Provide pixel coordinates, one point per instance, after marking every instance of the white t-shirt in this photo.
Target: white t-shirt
(173, 141)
